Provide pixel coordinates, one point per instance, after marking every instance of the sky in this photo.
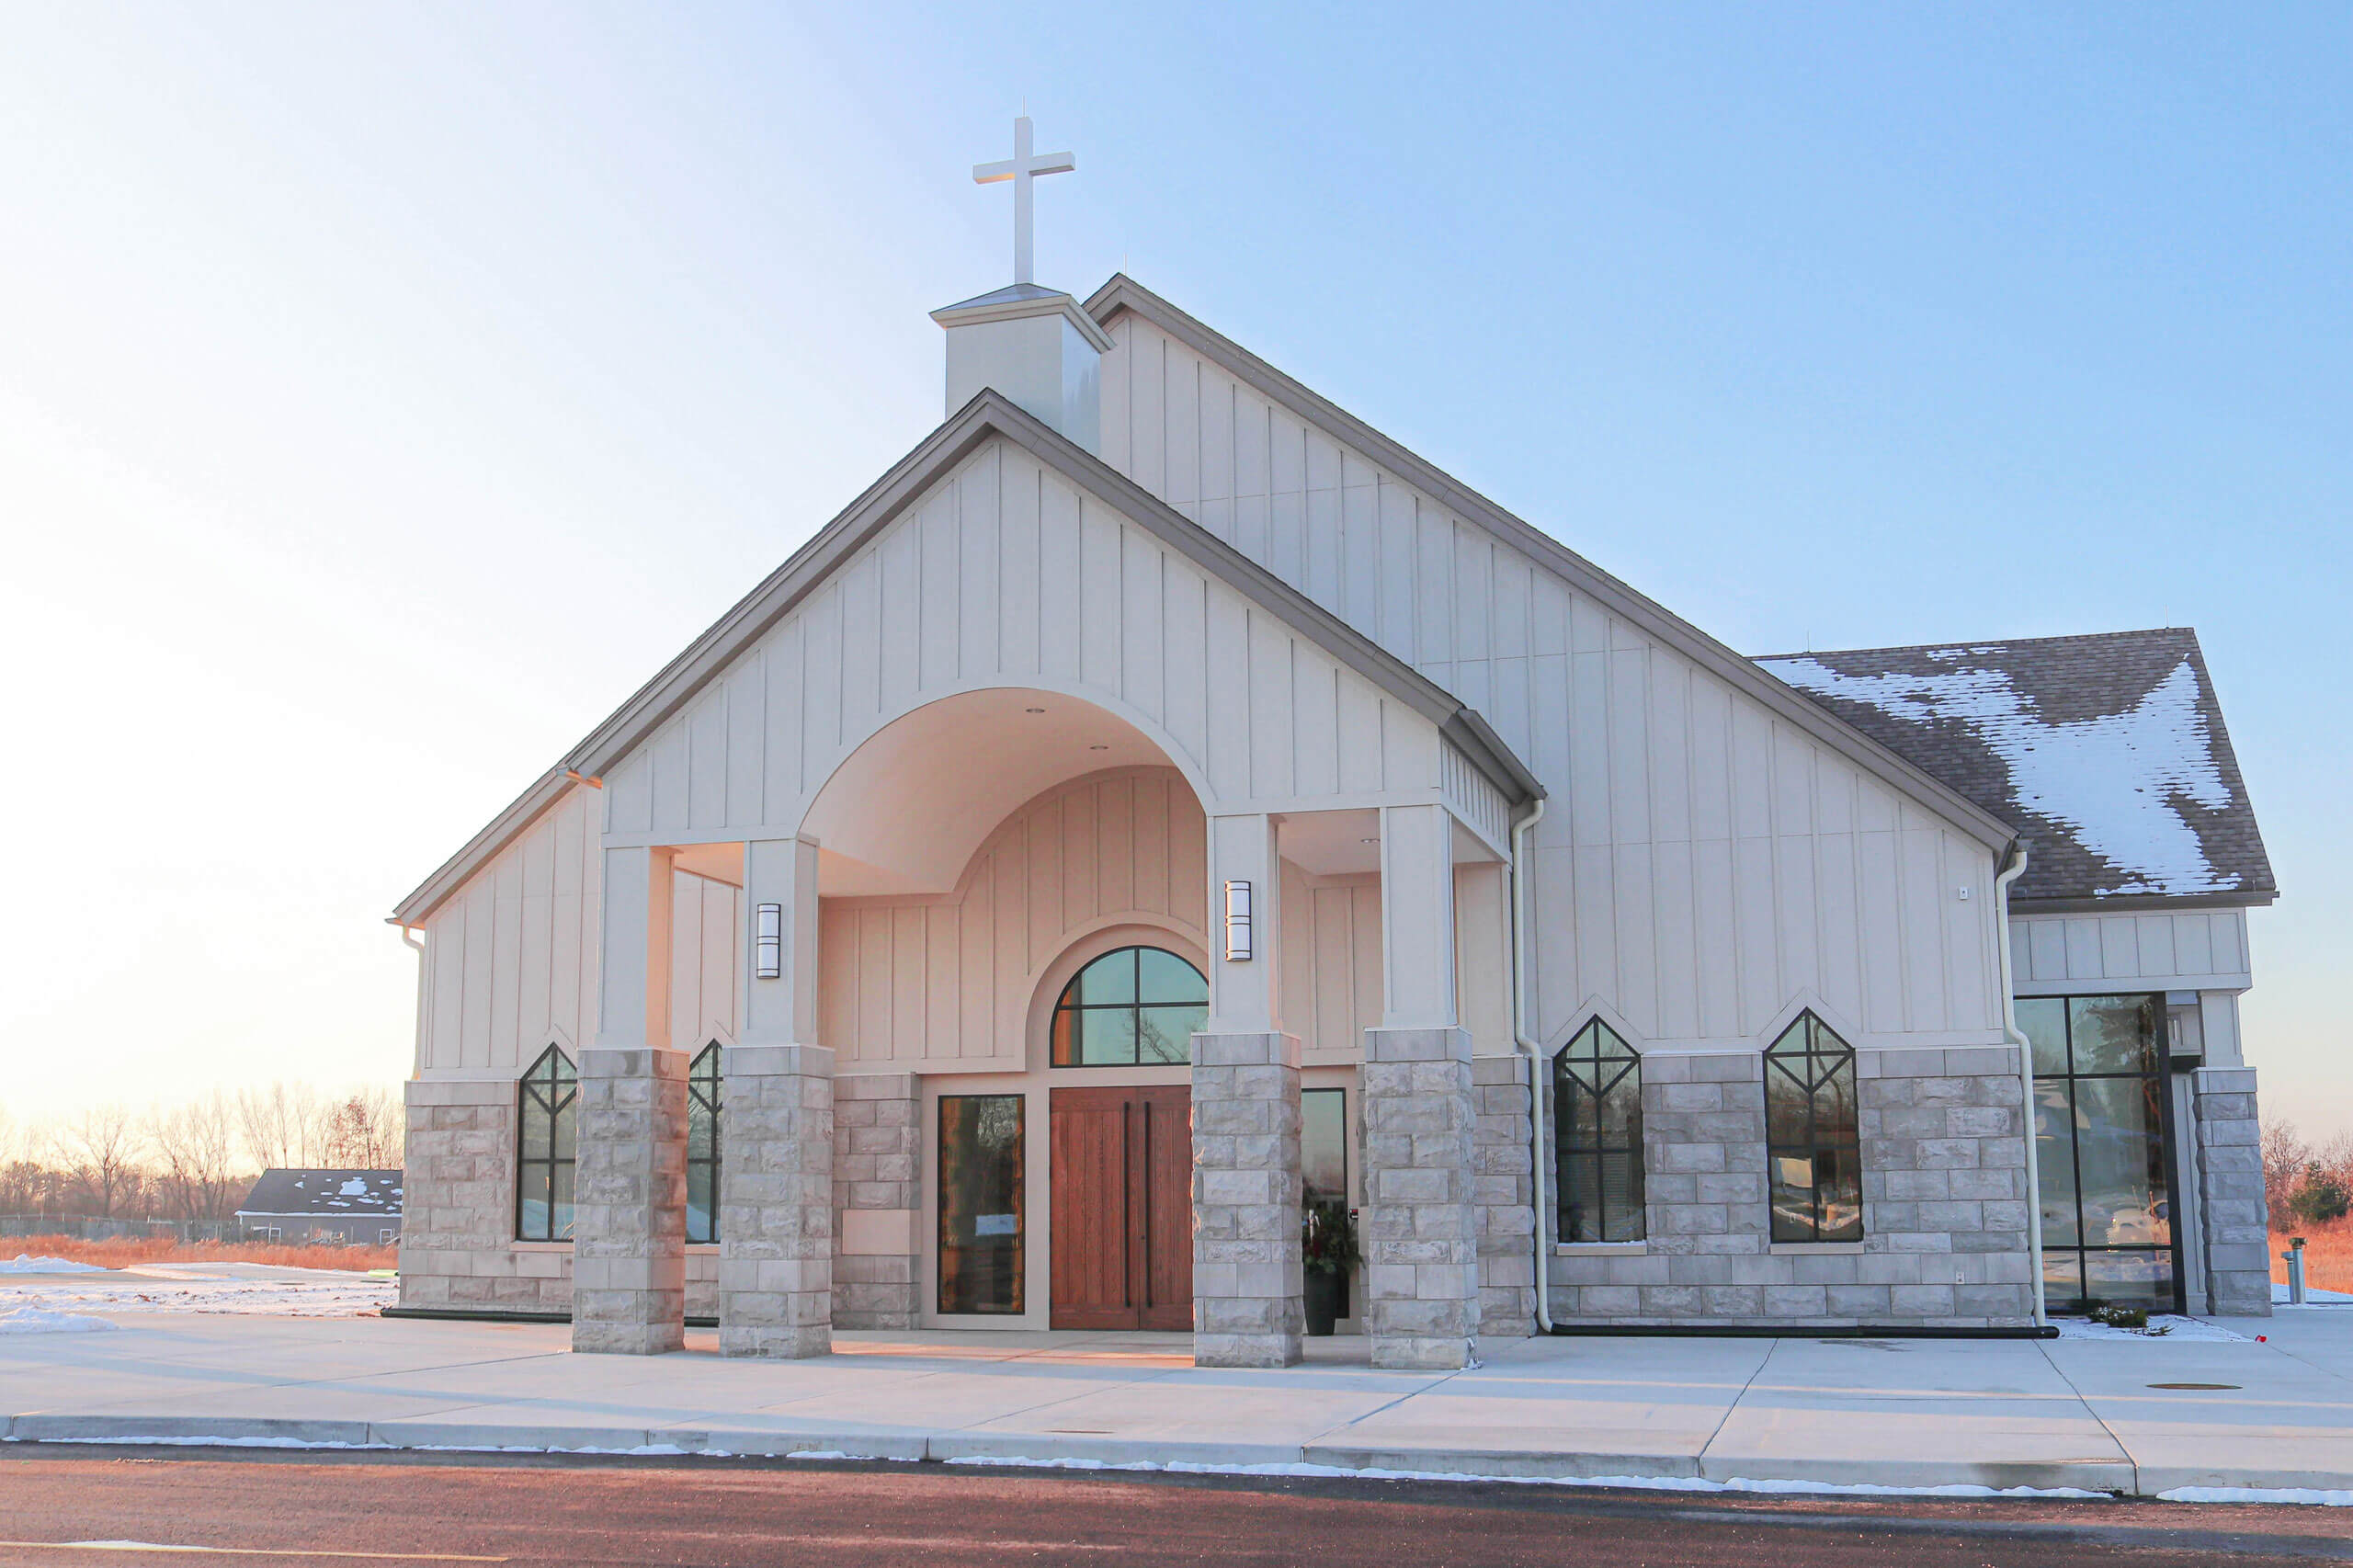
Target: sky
(387, 390)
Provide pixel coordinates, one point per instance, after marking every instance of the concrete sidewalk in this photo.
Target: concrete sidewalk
(2089, 1415)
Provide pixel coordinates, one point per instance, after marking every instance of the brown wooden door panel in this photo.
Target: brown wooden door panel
(1123, 1224)
(1167, 1119)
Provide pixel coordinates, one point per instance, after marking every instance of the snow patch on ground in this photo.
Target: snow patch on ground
(34, 1319)
(2161, 1325)
(26, 1264)
(2257, 1494)
(2313, 1296)
(211, 1287)
(1649, 1483)
(2113, 780)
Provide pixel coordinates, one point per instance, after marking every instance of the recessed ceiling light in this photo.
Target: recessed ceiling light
(1098, 746)
(1367, 841)
(1033, 710)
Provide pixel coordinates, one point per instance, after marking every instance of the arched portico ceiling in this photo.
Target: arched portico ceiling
(907, 812)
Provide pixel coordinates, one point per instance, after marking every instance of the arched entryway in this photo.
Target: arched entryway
(1122, 1152)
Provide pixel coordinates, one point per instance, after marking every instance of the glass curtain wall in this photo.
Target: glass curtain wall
(2102, 1132)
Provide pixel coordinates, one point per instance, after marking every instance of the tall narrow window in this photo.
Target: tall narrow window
(546, 1145)
(1597, 1137)
(1133, 1007)
(980, 1203)
(704, 1086)
(1813, 1153)
(2102, 1127)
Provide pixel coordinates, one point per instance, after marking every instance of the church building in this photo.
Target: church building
(1161, 806)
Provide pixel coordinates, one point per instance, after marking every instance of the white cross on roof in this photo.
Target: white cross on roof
(1021, 168)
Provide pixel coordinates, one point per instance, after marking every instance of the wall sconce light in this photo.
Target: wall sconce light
(1237, 922)
(768, 941)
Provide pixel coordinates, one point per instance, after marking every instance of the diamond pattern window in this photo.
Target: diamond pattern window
(704, 1086)
(1813, 1155)
(546, 1145)
(1597, 1137)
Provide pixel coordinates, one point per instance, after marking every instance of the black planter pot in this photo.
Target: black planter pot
(1323, 1302)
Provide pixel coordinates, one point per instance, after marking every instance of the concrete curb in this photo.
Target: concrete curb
(2117, 1477)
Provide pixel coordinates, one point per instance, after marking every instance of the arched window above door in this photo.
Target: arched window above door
(1131, 1007)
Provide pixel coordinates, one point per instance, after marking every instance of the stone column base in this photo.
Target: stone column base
(1248, 1305)
(1421, 1246)
(1503, 1185)
(775, 1202)
(629, 1250)
(2229, 1183)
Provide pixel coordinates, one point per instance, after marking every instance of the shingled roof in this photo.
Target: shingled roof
(282, 1190)
(2106, 751)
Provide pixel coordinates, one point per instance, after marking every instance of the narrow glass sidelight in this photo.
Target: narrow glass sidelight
(1597, 1137)
(980, 1218)
(705, 1085)
(1813, 1152)
(546, 1148)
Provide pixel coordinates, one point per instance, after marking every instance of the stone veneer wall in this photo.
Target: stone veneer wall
(1503, 1189)
(1420, 1242)
(1248, 1303)
(458, 1246)
(2229, 1183)
(1945, 1203)
(629, 1249)
(878, 1199)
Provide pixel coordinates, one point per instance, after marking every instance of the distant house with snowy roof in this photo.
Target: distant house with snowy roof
(354, 1208)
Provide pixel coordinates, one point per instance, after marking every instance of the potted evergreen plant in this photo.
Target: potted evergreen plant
(1329, 1235)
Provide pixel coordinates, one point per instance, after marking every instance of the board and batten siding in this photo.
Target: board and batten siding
(2194, 951)
(1703, 862)
(510, 960)
(1003, 573)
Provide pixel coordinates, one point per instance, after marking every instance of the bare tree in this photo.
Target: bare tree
(99, 1153)
(366, 1130)
(284, 1125)
(2285, 1158)
(196, 1149)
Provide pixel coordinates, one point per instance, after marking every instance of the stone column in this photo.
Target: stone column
(629, 1251)
(1421, 1241)
(1503, 1185)
(2230, 1181)
(878, 1124)
(775, 1202)
(1248, 1309)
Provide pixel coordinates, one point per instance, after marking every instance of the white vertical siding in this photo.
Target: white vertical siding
(2195, 951)
(1702, 862)
(704, 945)
(510, 959)
(1005, 575)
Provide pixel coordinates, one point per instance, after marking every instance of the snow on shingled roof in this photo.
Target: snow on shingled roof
(2106, 751)
(282, 1190)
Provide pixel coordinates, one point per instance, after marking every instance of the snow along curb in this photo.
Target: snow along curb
(2087, 1478)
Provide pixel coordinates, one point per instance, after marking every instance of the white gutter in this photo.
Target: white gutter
(1535, 1054)
(2011, 873)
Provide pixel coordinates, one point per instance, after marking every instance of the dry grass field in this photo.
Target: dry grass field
(127, 1250)
(2328, 1255)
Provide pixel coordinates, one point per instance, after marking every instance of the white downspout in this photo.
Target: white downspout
(2011, 873)
(1535, 1054)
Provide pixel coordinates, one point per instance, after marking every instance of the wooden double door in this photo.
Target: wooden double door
(1122, 1207)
